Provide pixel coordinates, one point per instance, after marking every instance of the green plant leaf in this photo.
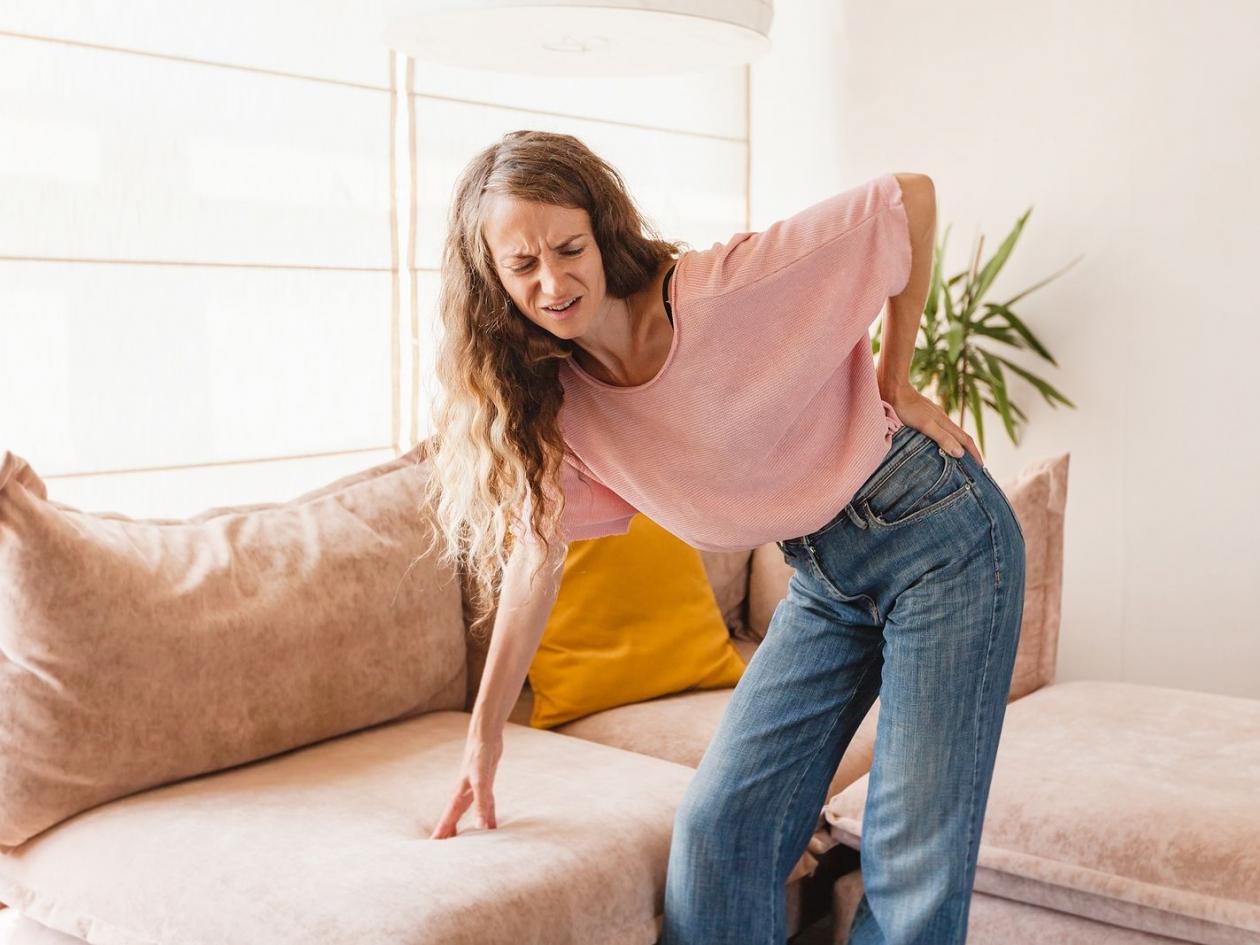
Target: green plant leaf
(1023, 329)
(1034, 287)
(997, 333)
(998, 383)
(977, 411)
(995, 264)
(1046, 389)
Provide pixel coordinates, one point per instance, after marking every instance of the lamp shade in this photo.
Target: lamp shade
(582, 37)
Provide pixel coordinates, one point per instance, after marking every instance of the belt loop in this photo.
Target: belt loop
(854, 517)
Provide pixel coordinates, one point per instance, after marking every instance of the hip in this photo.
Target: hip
(921, 510)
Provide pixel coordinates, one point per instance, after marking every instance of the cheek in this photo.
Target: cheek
(593, 273)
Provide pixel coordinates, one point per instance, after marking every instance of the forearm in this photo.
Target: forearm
(905, 310)
(524, 608)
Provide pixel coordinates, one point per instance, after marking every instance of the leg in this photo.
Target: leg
(756, 796)
(951, 641)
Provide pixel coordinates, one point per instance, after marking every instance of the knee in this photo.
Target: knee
(713, 824)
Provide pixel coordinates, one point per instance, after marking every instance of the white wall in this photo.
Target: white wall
(1131, 128)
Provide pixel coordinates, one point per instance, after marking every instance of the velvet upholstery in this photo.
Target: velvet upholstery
(615, 822)
(993, 921)
(135, 652)
(1128, 805)
(329, 844)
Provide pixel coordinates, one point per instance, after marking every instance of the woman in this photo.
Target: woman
(730, 394)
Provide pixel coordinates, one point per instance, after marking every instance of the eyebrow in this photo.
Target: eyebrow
(564, 242)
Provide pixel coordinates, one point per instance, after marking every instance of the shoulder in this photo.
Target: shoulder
(875, 207)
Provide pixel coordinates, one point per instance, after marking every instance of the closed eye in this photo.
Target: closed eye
(564, 252)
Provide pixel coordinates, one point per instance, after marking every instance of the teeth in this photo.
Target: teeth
(560, 308)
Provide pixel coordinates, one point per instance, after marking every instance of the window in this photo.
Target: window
(209, 291)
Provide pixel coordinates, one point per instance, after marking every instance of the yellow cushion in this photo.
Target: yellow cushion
(635, 618)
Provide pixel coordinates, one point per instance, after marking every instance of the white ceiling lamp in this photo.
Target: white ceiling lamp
(582, 37)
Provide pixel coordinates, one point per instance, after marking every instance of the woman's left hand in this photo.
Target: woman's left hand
(915, 410)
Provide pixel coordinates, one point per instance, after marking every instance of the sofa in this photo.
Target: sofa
(243, 726)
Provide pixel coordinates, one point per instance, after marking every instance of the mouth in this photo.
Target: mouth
(562, 308)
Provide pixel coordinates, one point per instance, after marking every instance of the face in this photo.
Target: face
(545, 256)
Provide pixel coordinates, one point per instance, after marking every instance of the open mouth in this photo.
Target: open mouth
(563, 307)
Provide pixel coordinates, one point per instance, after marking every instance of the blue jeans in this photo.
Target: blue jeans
(913, 592)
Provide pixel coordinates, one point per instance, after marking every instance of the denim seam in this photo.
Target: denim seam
(822, 742)
(1005, 498)
(984, 684)
(928, 511)
(901, 461)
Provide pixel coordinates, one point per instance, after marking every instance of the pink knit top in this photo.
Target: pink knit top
(766, 417)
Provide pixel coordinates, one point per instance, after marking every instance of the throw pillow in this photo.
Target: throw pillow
(137, 652)
(635, 618)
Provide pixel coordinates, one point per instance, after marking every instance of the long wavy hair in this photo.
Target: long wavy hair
(497, 447)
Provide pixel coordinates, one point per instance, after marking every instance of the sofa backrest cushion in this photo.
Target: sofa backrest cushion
(137, 652)
(1038, 494)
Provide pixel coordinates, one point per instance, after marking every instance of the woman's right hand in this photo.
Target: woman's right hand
(475, 786)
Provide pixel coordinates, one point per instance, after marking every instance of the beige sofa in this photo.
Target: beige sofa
(306, 819)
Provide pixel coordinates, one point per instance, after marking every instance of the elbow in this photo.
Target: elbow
(918, 195)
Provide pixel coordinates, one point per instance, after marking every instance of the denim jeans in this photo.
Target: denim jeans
(913, 592)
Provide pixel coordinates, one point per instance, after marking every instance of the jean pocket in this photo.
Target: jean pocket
(921, 484)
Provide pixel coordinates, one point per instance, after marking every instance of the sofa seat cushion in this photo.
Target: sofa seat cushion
(1126, 804)
(679, 728)
(330, 844)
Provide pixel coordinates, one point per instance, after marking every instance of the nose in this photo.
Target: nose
(550, 279)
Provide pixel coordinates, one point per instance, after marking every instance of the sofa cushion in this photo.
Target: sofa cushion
(1039, 497)
(635, 618)
(135, 652)
(676, 728)
(330, 844)
(727, 572)
(1126, 804)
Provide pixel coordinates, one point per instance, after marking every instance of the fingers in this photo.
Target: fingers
(956, 441)
(485, 807)
(454, 811)
(466, 796)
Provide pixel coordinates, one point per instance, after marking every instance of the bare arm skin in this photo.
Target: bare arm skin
(901, 327)
(524, 606)
(905, 311)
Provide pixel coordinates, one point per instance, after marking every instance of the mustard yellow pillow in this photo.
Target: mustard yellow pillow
(635, 618)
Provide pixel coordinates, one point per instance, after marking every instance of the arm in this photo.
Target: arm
(905, 311)
(525, 604)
